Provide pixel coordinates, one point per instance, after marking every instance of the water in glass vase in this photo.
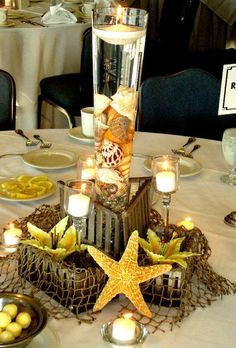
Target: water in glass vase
(118, 49)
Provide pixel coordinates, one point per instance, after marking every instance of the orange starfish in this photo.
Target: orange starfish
(125, 275)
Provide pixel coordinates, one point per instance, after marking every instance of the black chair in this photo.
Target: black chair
(7, 101)
(70, 92)
(185, 103)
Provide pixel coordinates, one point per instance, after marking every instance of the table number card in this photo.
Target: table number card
(227, 104)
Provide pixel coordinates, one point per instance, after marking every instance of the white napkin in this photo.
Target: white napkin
(58, 15)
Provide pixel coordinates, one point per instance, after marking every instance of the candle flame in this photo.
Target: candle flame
(188, 218)
(127, 315)
(90, 162)
(83, 187)
(118, 14)
(165, 165)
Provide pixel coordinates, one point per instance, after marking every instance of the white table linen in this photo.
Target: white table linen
(203, 197)
(31, 52)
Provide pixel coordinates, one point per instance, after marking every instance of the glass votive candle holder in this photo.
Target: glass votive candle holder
(86, 167)
(165, 171)
(124, 332)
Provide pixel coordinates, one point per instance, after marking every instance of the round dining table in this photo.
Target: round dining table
(201, 195)
(31, 52)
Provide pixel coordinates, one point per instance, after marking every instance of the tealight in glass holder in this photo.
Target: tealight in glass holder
(86, 167)
(165, 171)
(79, 203)
(124, 332)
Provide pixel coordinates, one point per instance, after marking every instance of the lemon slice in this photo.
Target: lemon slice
(37, 178)
(27, 193)
(24, 179)
(40, 190)
(47, 184)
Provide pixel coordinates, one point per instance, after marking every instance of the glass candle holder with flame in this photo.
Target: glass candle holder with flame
(79, 203)
(165, 171)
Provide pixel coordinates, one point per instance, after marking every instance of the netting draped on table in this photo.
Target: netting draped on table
(70, 288)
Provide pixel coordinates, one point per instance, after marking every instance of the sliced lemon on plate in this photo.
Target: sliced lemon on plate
(26, 187)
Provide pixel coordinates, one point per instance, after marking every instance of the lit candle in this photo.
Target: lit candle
(187, 223)
(124, 329)
(119, 34)
(88, 172)
(165, 181)
(12, 236)
(78, 205)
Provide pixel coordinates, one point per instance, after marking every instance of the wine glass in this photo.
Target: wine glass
(79, 203)
(229, 152)
(165, 171)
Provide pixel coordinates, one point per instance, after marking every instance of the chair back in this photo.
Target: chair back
(185, 103)
(7, 101)
(87, 68)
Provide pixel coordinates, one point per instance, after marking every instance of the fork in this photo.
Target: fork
(28, 142)
(188, 154)
(43, 144)
(181, 150)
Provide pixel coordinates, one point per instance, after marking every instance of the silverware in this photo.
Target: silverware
(11, 154)
(28, 21)
(28, 142)
(43, 144)
(182, 149)
(188, 154)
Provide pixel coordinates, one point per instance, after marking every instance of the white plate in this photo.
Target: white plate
(46, 339)
(76, 133)
(188, 166)
(8, 24)
(50, 159)
(47, 194)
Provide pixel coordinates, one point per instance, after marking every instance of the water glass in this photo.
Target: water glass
(229, 152)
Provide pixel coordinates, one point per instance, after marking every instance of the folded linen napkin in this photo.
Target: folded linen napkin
(58, 15)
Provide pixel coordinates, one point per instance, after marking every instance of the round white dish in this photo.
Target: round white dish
(46, 339)
(76, 133)
(188, 166)
(47, 194)
(8, 24)
(50, 159)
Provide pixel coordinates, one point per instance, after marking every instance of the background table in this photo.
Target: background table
(31, 53)
(203, 197)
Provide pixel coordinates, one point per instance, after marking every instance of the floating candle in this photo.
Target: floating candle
(124, 329)
(187, 223)
(78, 205)
(119, 34)
(166, 181)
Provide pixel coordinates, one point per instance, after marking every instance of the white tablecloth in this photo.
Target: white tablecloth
(203, 197)
(31, 53)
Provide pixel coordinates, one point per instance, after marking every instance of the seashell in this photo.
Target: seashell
(98, 158)
(111, 153)
(127, 148)
(101, 102)
(111, 115)
(120, 128)
(125, 102)
(109, 176)
(124, 167)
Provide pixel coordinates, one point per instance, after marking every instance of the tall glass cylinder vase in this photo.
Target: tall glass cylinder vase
(118, 47)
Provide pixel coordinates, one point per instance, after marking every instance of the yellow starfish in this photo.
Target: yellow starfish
(125, 275)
